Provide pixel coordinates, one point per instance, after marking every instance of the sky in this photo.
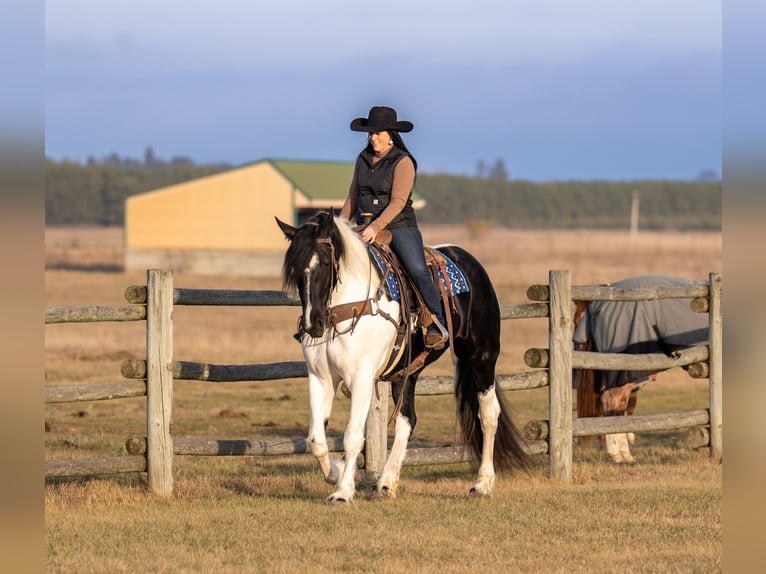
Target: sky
(556, 89)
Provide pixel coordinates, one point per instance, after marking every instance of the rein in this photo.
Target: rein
(355, 309)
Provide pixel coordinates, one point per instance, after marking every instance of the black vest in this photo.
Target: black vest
(375, 184)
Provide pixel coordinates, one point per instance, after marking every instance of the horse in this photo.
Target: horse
(332, 268)
(631, 327)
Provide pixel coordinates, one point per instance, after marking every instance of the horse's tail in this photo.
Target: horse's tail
(584, 379)
(509, 451)
(588, 404)
(587, 397)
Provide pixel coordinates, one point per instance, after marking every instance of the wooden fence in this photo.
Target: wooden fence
(153, 377)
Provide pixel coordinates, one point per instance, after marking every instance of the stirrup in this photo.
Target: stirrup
(436, 340)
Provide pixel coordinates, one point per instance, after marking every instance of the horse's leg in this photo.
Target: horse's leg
(615, 402)
(321, 395)
(403, 426)
(353, 439)
(618, 447)
(489, 411)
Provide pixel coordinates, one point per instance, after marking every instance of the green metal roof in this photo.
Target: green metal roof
(318, 179)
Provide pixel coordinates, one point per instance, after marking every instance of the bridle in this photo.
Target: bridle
(333, 260)
(344, 311)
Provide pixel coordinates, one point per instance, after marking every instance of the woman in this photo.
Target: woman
(382, 185)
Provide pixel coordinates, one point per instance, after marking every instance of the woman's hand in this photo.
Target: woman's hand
(369, 233)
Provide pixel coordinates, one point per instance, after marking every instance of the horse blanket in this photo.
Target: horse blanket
(454, 282)
(637, 327)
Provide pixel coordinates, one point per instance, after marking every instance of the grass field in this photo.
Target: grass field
(248, 514)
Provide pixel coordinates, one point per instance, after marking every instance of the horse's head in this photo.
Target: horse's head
(311, 267)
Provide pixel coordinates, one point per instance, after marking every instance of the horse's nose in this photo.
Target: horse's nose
(317, 326)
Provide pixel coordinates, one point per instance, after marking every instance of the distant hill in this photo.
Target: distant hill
(95, 193)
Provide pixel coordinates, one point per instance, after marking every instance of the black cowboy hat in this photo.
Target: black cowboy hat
(381, 119)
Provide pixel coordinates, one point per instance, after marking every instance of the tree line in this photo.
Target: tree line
(95, 193)
(663, 204)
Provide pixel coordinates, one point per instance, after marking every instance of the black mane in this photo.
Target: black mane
(305, 244)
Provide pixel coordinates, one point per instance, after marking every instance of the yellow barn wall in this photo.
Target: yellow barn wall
(232, 210)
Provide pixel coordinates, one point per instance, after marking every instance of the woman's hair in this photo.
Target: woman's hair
(398, 142)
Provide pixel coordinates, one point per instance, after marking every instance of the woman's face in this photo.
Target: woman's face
(380, 142)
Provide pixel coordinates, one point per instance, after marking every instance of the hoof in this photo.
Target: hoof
(626, 461)
(623, 460)
(337, 501)
(384, 493)
(475, 492)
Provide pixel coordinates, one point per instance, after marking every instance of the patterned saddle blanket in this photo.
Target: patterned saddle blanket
(454, 280)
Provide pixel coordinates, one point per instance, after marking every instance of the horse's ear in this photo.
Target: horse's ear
(329, 223)
(287, 229)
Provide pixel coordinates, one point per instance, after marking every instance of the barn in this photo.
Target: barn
(224, 223)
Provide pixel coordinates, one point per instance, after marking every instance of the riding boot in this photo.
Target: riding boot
(436, 334)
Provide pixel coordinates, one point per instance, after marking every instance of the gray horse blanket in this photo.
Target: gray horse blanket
(637, 327)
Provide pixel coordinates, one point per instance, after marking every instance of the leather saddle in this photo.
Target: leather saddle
(415, 315)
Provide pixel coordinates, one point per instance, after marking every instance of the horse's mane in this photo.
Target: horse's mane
(350, 252)
(303, 246)
(356, 260)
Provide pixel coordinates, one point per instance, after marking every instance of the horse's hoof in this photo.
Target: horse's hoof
(479, 493)
(337, 501)
(384, 493)
(623, 460)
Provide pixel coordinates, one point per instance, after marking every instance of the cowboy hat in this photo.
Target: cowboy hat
(380, 119)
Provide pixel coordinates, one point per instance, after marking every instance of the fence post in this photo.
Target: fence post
(376, 442)
(560, 376)
(159, 380)
(715, 373)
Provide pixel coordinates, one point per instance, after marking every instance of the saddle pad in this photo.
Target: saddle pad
(455, 276)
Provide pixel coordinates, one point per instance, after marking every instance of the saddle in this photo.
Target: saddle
(414, 312)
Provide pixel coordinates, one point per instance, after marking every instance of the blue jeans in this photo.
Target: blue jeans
(407, 243)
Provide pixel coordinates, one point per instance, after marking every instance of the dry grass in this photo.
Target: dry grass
(251, 518)
(247, 514)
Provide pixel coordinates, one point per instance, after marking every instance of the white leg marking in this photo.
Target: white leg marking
(489, 411)
(611, 447)
(625, 448)
(389, 476)
(615, 402)
(320, 405)
(618, 449)
(353, 438)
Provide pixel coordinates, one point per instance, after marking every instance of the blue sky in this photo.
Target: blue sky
(593, 89)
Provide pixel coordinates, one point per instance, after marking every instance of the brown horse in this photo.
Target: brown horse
(631, 327)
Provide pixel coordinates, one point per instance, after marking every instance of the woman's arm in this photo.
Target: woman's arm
(404, 179)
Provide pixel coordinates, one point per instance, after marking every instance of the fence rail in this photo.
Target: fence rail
(153, 378)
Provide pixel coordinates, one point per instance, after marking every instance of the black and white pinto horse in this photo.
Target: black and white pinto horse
(631, 327)
(331, 266)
